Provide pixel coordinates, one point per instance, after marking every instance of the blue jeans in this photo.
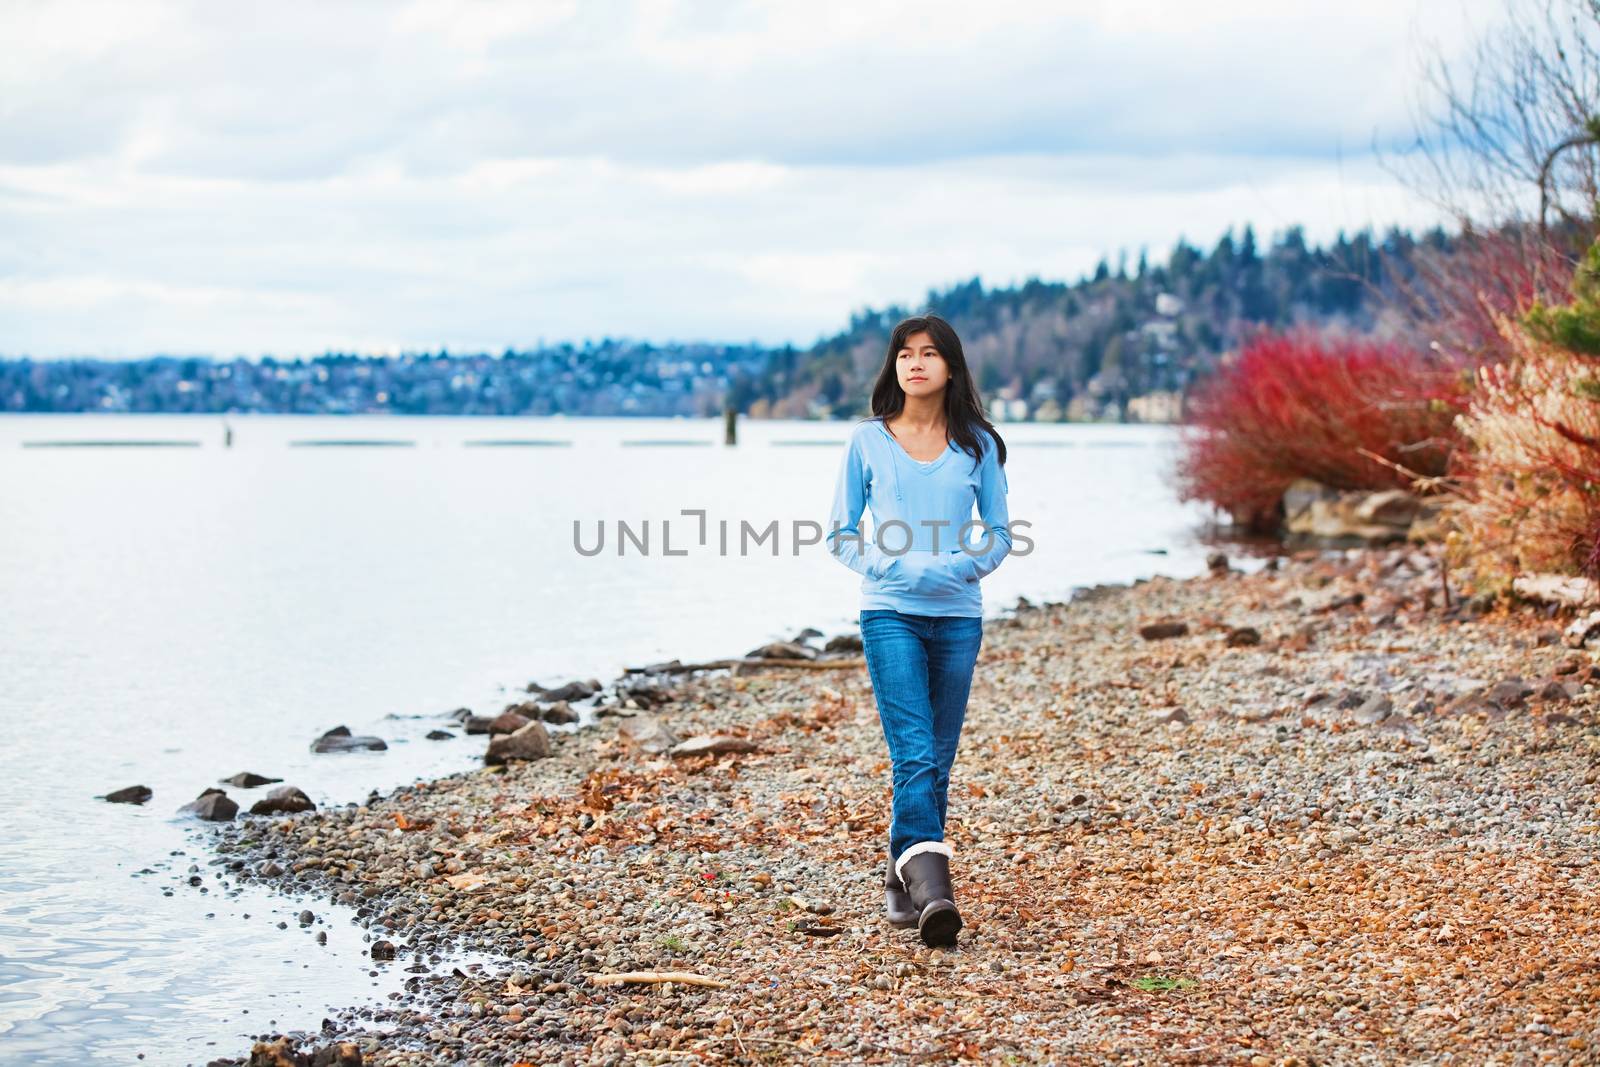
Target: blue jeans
(921, 672)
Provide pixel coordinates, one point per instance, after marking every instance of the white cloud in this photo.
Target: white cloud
(201, 177)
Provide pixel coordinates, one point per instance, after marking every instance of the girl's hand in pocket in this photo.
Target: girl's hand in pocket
(925, 574)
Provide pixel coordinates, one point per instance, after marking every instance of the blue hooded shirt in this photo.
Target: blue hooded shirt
(918, 559)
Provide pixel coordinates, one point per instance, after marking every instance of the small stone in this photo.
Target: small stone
(133, 794)
(559, 713)
(1374, 710)
(1243, 637)
(714, 745)
(647, 734)
(249, 780)
(1160, 631)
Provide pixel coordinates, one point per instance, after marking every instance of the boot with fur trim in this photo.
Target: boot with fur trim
(896, 902)
(924, 869)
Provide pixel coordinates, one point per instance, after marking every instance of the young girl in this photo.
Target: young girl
(923, 459)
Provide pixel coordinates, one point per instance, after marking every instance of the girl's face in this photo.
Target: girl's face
(920, 368)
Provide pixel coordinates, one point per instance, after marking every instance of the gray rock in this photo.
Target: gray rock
(1510, 692)
(529, 743)
(1394, 507)
(476, 724)
(1374, 710)
(560, 712)
(439, 735)
(1577, 635)
(1555, 691)
(212, 805)
(284, 800)
(647, 733)
(574, 690)
(249, 780)
(843, 643)
(1160, 631)
(133, 794)
(782, 650)
(509, 721)
(339, 739)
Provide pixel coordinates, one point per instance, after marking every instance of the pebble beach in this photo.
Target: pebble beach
(1322, 813)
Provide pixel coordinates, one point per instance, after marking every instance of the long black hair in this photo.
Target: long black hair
(963, 408)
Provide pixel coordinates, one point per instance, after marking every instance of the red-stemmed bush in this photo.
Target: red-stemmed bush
(1457, 297)
(1303, 405)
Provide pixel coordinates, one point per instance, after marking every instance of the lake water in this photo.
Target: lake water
(171, 616)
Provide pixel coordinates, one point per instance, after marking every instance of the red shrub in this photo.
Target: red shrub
(1301, 405)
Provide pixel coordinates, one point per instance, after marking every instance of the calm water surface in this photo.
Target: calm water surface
(171, 616)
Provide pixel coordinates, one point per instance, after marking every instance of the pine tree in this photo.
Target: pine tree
(1575, 326)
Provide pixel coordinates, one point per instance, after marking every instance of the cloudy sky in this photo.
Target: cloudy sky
(229, 178)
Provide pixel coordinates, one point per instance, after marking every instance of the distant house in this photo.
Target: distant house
(1003, 410)
(1164, 405)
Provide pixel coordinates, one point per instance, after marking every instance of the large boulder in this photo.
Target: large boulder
(213, 805)
(1319, 515)
(530, 742)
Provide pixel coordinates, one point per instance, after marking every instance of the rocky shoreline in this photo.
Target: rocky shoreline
(1307, 815)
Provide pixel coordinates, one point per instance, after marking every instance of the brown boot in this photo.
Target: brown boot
(896, 901)
(924, 869)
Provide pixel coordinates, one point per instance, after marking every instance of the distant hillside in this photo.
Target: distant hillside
(1120, 344)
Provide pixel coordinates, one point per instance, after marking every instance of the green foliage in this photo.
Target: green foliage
(1575, 326)
(1160, 983)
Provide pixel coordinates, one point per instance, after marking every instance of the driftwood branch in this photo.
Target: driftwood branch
(840, 664)
(649, 977)
(806, 664)
(1569, 591)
